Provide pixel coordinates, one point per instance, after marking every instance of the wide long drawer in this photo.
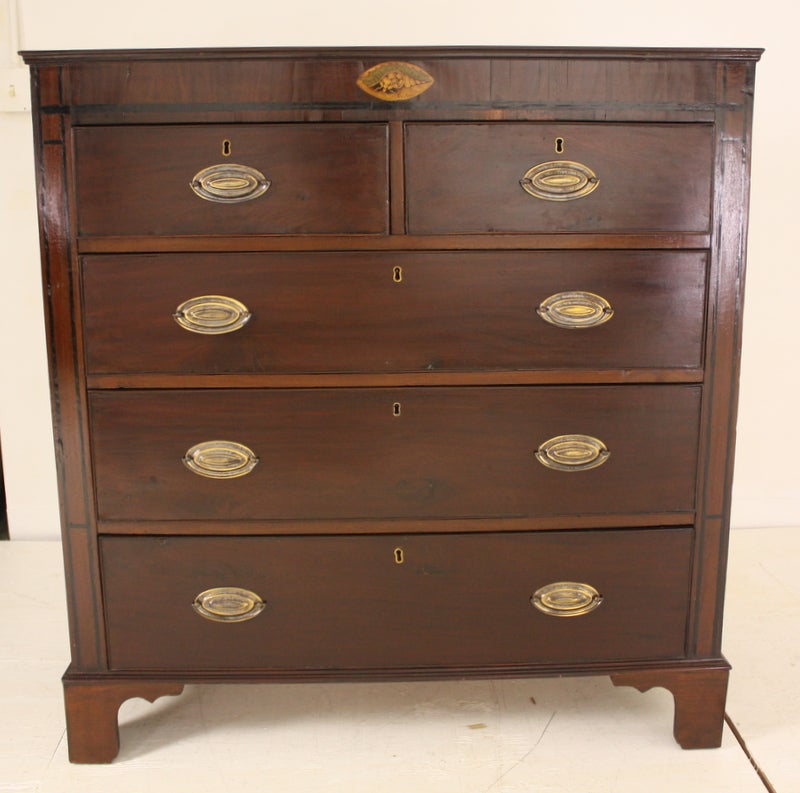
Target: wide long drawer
(232, 179)
(378, 312)
(516, 177)
(395, 601)
(394, 453)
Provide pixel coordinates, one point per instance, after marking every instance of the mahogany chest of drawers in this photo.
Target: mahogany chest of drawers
(393, 364)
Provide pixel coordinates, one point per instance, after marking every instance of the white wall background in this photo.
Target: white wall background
(767, 482)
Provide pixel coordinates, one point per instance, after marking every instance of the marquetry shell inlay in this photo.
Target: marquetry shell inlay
(394, 81)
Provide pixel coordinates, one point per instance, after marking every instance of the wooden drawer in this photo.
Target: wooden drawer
(459, 83)
(346, 602)
(395, 453)
(323, 178)
(648, 177)
(398, 312)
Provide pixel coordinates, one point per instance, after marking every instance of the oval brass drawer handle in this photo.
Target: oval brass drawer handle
(566, 599)
(212, 314)
(575, 310)
(228, 604)
(559, 180)
(220, 459)
(572, 453)
(394, 81)
(229, 183)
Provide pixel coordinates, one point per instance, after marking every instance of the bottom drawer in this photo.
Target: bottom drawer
(394, 601)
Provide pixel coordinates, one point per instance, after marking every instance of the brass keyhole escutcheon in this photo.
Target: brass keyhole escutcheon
(397, 274)
(227, 148)
(399, 556)
(397, 409)
(559, 147)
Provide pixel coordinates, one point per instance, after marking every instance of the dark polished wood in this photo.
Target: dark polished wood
(451, 311)
(91, 711)
(394, 379)
(465, 178)
(65, 361)
(461, 525)
(699, 696)
(342, 453)
(230, 243)
(442, 604)
(324, 178)
(724, 343)
(401, 379)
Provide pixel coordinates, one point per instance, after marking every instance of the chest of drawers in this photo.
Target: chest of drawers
(382, 364)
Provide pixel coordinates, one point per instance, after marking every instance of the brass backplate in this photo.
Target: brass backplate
(212, 315)
(220, 459)
(229, 183)
(572, 453)
(228, 604)
(566, 599)
(559, 180)
(575, 310)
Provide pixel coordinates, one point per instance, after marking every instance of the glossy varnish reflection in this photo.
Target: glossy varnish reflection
(398, 371)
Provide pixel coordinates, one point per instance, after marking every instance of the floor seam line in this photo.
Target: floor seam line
(756, 767)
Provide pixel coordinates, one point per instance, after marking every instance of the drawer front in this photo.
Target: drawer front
(370, 312)
(402, 453)
(468, 81)
(580, 177)
(322, 178)
(346, 602)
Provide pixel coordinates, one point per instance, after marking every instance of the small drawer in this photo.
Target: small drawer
(524, 177)
(450, 452)
(254, 179)
(395, 601)
(398, 312)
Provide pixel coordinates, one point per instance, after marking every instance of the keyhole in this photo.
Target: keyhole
(397, 274)
(396, 409)
(226, 148)
(399, 556)
(559, 145)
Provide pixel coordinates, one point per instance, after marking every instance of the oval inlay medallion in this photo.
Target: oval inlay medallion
(228, 604)
(572, 453)
(220, 459)
(559, 180)
(394, 81)
(566, 599)
(212, 314)
(575, 310)
(229, 183)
